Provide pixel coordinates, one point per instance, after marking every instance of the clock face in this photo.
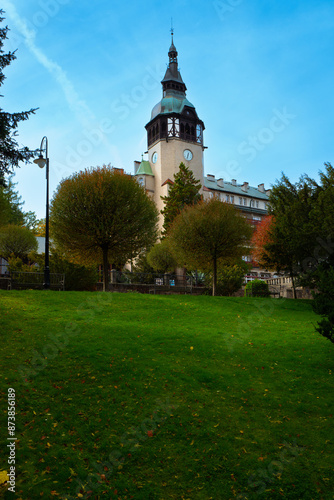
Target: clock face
(155, 157)
(187, 154)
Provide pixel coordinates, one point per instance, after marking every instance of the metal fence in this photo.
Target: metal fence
(155, 283)
(17, 280)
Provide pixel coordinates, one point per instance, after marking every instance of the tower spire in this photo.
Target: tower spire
(172, 82)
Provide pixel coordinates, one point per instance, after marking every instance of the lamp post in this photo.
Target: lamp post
(42, 162)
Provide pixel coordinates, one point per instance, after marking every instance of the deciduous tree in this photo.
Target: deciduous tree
(102, 215)
(208, 234)
(161, 257)
(260, 238)
(17, 241)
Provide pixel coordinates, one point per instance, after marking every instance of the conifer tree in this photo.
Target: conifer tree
(184, 191)
(10, 152)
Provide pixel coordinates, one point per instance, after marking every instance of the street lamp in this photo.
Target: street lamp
(42, 162)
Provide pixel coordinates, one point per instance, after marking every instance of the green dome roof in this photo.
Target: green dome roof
(170, 104)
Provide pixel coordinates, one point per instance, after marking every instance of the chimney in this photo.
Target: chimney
(261, 188)
(210, 177)
(268, 192)
(220, 183)
(136, 166)
(245, 186)
(234, 182)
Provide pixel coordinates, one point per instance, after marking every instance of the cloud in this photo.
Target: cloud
(77, 105)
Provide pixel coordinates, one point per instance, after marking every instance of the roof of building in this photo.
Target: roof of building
(235, 189)
(172, 74)
(171, 104)
(144, 168)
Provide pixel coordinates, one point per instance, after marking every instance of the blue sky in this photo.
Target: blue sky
(260, 74)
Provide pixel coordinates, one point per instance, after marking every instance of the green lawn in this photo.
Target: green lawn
(122, 396)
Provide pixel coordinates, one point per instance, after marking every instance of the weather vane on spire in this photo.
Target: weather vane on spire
(172, 28)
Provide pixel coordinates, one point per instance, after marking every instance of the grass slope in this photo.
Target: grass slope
(127, 396)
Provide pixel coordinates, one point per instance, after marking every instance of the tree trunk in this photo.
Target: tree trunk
(293, 285)
(105, 269)
(214, 277)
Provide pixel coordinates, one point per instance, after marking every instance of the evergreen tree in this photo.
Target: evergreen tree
(10, 152)
(11, 208)
(184, 191)
(291, 232)
(10, 205)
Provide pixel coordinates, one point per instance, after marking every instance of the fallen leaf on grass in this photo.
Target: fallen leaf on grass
(3, 476)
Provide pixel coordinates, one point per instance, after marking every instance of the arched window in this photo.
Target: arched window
(182, 128)
(187, 128)
(192, 131)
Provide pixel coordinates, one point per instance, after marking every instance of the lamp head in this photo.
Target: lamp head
(40, 161)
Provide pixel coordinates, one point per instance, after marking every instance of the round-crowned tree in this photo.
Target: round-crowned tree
(102, 215)
(16, 241)
(161, 258)
(209, 234)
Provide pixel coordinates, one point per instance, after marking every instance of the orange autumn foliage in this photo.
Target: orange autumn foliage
(260, 238)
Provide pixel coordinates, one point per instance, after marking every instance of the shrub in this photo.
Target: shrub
(323, 302)
(257, 288)
(77, 277)
(229, 280)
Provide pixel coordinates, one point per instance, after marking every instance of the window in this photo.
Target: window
(232, 199)
(170, 126)
(257, 204)
(199, 133)
(245, 202)
(221, 197)
(228, 198)
(240, 201)
(177, 127)
(252, 203)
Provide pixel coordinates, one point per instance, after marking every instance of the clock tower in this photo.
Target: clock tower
(174, 133)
